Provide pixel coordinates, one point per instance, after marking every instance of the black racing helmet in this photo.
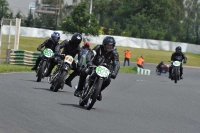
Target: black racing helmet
(76, 39)
(178, 49)
(109, 43)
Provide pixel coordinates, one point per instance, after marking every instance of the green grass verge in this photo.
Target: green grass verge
(128, 69)
(150, 56)
(4, 68)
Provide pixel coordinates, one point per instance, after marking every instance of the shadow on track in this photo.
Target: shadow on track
(73, 105)
(42, 89)
(47, 89)
(30, 80)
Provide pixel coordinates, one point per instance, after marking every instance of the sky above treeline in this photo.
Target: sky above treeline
(23, 5)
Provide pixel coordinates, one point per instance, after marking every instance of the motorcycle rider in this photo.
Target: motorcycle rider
(85, 48)
(159, 66)
(71, 47)
(107, 52)
(50, 43)
(178, 56)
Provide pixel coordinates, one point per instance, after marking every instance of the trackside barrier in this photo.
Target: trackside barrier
(22, 57)
(142, 71)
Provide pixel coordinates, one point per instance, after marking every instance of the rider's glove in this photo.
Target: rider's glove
(113, 75)
(184, 61)
(89, 64)
(56, 54)
(78, 67)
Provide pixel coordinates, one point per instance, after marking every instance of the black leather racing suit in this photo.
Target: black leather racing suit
(47, 44)
(76, 72)
(69, 49)
(178, 57)
(111, 58)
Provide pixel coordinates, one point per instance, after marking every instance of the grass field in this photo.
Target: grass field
(4, 68)
(150, 56)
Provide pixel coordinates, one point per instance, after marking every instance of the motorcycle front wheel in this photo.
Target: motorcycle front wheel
(97, 87)
(41, 71)
(175, 75)
(60, 81)
(158, 72)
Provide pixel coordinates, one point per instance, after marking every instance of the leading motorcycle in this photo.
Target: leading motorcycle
(92, 85)
(175, 71)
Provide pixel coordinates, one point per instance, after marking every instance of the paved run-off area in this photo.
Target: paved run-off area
(131, 104)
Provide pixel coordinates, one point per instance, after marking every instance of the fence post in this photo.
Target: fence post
(8, 55)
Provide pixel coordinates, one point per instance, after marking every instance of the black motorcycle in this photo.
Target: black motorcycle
(44, 63)
(92, 85)
(175, 71)
(164, 69)
(57, 79)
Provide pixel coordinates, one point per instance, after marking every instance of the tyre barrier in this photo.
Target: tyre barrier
(22, 57)
(142, 71)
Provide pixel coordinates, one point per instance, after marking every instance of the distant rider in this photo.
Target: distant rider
(50, 43)
(159, 67)
(178, 56)
(105, 51)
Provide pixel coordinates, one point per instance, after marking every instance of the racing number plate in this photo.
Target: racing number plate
(69, 59)
(48, 52)
(102, 71)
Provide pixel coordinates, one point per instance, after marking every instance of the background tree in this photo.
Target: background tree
(81, 21)
(23, 18)
(4, 10)
(29, 22)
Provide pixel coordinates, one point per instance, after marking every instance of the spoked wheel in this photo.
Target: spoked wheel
(158, 72)
(91, 100)
(60, 81)
(175, 75)
(83, 99)
(41, 71)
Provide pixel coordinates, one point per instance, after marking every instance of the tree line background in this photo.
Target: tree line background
(171, 20)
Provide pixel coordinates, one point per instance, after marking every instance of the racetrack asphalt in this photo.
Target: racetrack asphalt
(131, 104)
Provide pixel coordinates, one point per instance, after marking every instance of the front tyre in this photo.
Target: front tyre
(93, 98)
(41, 71)
(175, 75)
(158, 72)
(60, 81)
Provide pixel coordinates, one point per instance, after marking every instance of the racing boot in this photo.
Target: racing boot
(181, 76)
(99, 98)
(68, 82)
(70, 78)
(36, 64)
(169, 76)
(34, 67)
(77, 93)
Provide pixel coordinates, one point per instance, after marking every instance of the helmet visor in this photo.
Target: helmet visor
(55, 38)
(178, 50)
(109, 47)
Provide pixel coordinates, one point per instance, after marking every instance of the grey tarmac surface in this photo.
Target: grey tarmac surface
(131, 104)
